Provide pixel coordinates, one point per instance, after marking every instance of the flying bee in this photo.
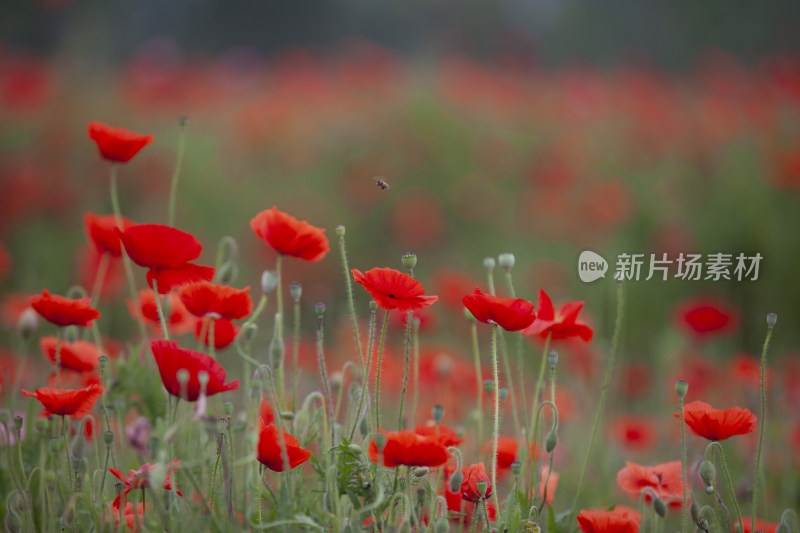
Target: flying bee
(381, 183)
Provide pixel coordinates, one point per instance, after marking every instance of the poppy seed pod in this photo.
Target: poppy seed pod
(488, 385)
(409, 260)
(707, 473)
(296, 290)
(772, 318)
(27, 323)
(483, 486)
(340, 230)
(319, 309)
(503, 393)
(516, 468)
(269, 280)
(681, 388)
(18, 422)
(506, 261)
(108, 438)
(489, 263)
(552, 358)
(438, 413)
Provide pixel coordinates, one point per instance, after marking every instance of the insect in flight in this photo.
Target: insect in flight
(381, 183)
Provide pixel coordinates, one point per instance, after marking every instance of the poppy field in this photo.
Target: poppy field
(346, 294)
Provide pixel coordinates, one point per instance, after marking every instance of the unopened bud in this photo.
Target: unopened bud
(287, 415)
(503, 393)
(78, 447)
(516, 468)
(702, 523)
(469, 316)
(340, 230)
(551, 442)
(380, 441)
(27, 323)
(41, 425)
(681, 387)
(102, 360)
(488, 386)
(227, 273)
(108, 438)
(659, 507)
(438, 413)
(421, 471)
(227, 408)
(319, 309)
(250, 332)
(71, 333)
(18, 423)
(296, 290)
(483, 486)
(442, 526)
(489, 263)
(552, 358)
(783, 527)
(269, 280)
(506, 261)
(409, 260)
(694, 511)
(772, 318)
(708, 473)
(355, 449)
(455, 481)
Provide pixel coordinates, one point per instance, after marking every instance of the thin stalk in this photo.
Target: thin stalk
(58, 358)
(477, 358)
(520, 362)
(601, 405)
(349, 286)
(496, 416)
(279, 329)
(365, 375)
(684, 510)
(66, 449)
(324, 374)
(173, 192)
(378, 380)
(405, 373)
(761, 425)
(295, 351)
(717, 445)
(100, 276)
(160, 309)
(415, 401)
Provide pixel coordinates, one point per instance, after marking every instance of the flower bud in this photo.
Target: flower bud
(227, 409)
(319, 309)
(102, 360)
(702, 523)
(552, 358)
(708, 473)
(694, 511)
(78, 447)
(409, 260)
(363, 427)
(380, 441)
(41, 425)
(681, 387)
(438, 413)
(506, 261)
(296, 290)
(355, 449)
(782, 527)
(772, 318)
(18, 423)
(469, 316)
(659, 507)
(483, 486)
(373, 305)
(226, 274)
(71, 333)
(27, 323)
(516, 468)
(287, 415)
(250, 332)
(488, 385)
(340, 230)
(551, 442)
(503, 393)
(442, 526)
(276, 351)
(108, 438)
(489, 263)
(421, 471)
(269, 280)
(455, 481)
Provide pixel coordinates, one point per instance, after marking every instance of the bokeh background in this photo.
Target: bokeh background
(538, 128)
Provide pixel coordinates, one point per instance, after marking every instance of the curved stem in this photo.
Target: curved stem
(477, 358)
(495, 416)
(537, 414)
(378, 380)
(718, 446)
(324, 374)
(601, 405)
(761, 425)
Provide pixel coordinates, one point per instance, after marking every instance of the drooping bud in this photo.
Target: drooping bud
(455, 481)
(702, 523)
(296, 290)
(659, 507)
(269, 280)
(681, 387)
(552, 358)
(78, 446)
(489, 264)
(438, 413)
(708, 473)
(409, 260)
(340, 230)
(694, 511)
(287, 415)
(482, 486)
(421, 471)
(227, 273)
(772, 318)
(506, 260)
(355, 449)
(551, 442)
(442, 526)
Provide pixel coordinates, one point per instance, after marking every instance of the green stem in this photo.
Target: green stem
(532, 484)
(495, 416)
(279, 328)
(100, 276)
(718, 446)
(58, 358)
(601, 405)
(378, 379)
(415, 400)
(405, 373)
(173, 193)
(349, 287)
(477, 358)
(761, 424)
(295, 351)
(160, 309)
(520, 362)
(511, 393)
(684, 510)
(66, 449)
(365, 375)
(328, 409)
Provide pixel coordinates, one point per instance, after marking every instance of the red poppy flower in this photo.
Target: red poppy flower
(63, 311)
(133, 514)
(171, 358)
(551, 483)
(761, 525)
(451, 286)
(179, 321)
(717, 424)
(138, 479)
(561, 325)
(89, 262)
(446, 435)
(269, 449)
(411, 449)
(80, 356)
(511, 314)
(469, 487)
(635, 433)
(746, 369)
(621, 520)
(506, 451)
(225, 332)
(100, 231)
(72, 379)
(208, 300)
(289, 236)
(73, 402)
(266, 415)
(165, 251)
(392, 289)
(706, 317)
(117, 144)
(664, 479)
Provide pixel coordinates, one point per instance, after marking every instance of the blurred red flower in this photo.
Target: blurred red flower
(73, 402)
(225, 332)
(761, 525)
(179, 321)
(634, 433)
(269, 449)
(411, 449)
(621, 520)
(165, 251)
(266, 415)
(139, 479)
(208, 300)
(451, 286)
(469, 487)
(117, 144)
(5, 262)
(746, 369)
(100, 232)
(717, 424)
(563, 325)
(392, 289)
(511, 314)
(704, 317)
(63, 311)
(550, 483)
(289, 236)
(80, 356)
(171, 358)
(447, 436)
(506, 451)
(664, 479)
